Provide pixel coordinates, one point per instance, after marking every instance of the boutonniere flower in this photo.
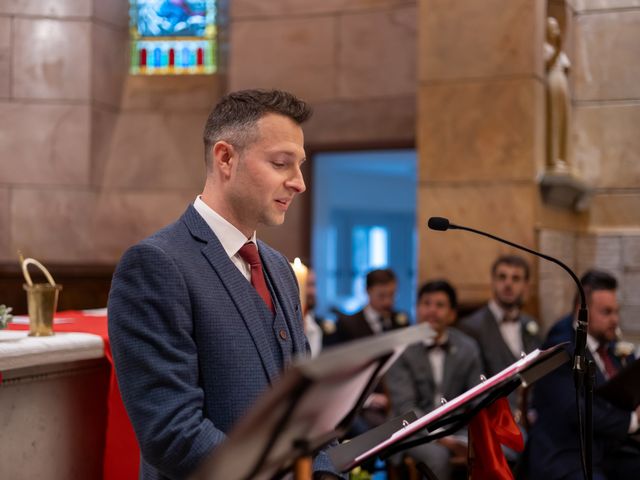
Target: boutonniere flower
(401, 318)
(5, 316)
(532, 328)
(623, 349)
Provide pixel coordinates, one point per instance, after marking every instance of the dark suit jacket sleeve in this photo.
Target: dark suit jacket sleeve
(401, 386)
(154, 352)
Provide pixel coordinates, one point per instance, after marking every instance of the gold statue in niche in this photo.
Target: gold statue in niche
(558, 103)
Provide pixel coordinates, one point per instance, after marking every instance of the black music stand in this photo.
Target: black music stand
(314, 402)
(454, 414)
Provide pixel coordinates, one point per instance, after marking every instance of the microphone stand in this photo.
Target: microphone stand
(583, 368)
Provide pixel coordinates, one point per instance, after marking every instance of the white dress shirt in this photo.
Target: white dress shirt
(230, 237)
(511, 331)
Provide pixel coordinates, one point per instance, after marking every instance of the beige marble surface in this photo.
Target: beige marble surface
(44, 144)
(109, 64)
(607, 61)
(631, 253)
(88, 226)
(308, 68)
(18, 350)
(462, 257)
(49, 8)
(5, 254)
(582, 5)
(114, 12)
(153, 150)
(481, 130)
(607, 144)
(368, 122)
(617, 210)
(175, 93)
(5, 57)
(468, 39)
(599, 251)
(278, 8)
(369, 63)
(59, 60)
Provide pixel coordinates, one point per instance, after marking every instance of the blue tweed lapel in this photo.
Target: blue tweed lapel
(237, 287)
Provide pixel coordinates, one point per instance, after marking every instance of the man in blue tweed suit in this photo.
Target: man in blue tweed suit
(200, 322)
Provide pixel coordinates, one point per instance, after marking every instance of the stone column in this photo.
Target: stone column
(480, 136)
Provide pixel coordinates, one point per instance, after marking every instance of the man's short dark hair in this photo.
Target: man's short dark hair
(512, 261)
(593, 280)
(382, 276)
(440, 286)
(234, 117)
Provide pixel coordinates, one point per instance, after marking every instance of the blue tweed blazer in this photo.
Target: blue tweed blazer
(191, 345)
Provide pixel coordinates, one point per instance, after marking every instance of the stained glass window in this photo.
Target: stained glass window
(172, 37)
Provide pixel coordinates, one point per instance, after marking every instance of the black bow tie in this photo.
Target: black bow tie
(434, 346)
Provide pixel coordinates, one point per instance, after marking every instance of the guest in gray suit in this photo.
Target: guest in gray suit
(444, 367)
(202, 316)
(501, 329)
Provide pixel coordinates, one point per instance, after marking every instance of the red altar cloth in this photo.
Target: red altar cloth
(121, 458)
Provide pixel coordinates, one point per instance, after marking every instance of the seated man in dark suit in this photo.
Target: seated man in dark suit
(378, 315)
(444, 367)
(553, 445)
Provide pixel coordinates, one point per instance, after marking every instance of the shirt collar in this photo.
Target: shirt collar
(230, 237)
(497, 311)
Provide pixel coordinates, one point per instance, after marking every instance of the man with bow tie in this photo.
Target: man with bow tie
(500, 327)
(553, 446)
(444, 367)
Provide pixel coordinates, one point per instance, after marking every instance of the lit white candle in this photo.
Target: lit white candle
(302, 272)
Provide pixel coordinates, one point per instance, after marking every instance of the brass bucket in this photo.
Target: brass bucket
(42, 301)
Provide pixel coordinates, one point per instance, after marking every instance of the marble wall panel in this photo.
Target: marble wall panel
(582, 5)
(79, 226)
(607, 145)
(373, 121)
(115, 12)
(607, 60)
(44, 144)
(279, 8)
(629, 315)
(465, 39)
(109, 64)
(555, 287)
(465, 259)
(369, 61)
(154, 150)
(615, 210)
(631, 253)
(489, 130)
(599, 251)
(160, 93)
(630, 290)
(5, 57)
(296, 54)
(49, 8)
(5, 253)
(59, 59)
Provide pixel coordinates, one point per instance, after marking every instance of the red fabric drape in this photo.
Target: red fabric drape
(489, 429)
(121, 457)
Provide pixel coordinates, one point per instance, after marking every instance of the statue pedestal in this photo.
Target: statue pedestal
(565, 190)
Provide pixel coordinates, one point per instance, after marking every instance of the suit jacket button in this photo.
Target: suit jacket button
(283, 334)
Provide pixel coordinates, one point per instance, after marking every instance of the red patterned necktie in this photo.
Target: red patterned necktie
(249, 253)
(607, 361)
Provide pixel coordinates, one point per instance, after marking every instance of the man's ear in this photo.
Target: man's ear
(223, 155)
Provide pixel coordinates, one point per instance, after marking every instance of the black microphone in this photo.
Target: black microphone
(579, 360)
